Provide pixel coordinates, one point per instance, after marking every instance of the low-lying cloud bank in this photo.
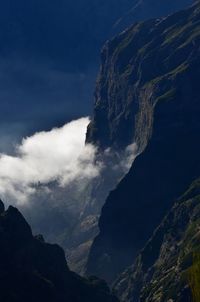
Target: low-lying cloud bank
(58, 155)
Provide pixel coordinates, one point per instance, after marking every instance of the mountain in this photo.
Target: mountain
(169, 265)
(75, 215)
(65, 40)
(148, 92)
(32, 270)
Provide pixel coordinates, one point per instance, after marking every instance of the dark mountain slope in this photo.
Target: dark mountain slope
(32, 270)
(168, 267)
(153, 72)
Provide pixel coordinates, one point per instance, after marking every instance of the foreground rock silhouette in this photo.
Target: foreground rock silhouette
(32, 270)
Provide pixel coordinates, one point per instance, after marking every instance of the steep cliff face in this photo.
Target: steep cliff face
(168, 267)
(150, 94)
(126, 66)
(32, 270)
(78, 242)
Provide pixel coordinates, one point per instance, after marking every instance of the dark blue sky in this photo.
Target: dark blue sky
(49, 57)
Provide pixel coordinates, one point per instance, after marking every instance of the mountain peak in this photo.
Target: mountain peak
(2, 207)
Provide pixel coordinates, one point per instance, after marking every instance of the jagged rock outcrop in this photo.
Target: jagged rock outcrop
(32, 270)
(168, 267)
(148, 90)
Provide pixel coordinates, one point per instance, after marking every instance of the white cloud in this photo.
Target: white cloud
(57, 166)
(57, 155)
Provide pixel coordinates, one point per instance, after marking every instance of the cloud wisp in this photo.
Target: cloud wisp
(59, 155)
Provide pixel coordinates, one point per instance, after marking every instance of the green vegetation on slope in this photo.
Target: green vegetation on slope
(194, 277)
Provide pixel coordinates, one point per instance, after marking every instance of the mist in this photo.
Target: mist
(59, 155)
